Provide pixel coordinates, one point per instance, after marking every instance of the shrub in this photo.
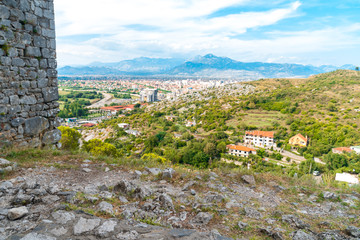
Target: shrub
(98, 148)
(154, 157)
(70, 138)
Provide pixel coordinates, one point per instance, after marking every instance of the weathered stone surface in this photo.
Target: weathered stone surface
(16, 213)
(301, 235)
(242, 225)
(330, 195)
(353, 231)
(252, 213)
(63, 217)
(86, 225)
(106, 207)
(28, 75)
(294, 221)
(52, 137)
(106, 229)
(249, 179)
(36, 236)
(202, 218)
(34, 126)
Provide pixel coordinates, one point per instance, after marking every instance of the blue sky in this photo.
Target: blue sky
(316, 32)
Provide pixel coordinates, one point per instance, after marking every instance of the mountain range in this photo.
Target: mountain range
(208, 66)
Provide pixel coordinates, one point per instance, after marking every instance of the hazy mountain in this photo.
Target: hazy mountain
(200, 66)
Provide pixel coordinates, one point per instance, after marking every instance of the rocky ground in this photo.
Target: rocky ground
(92, 200)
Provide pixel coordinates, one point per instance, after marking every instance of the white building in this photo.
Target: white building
(124, 125)
(260, 138)
(149, 95)
(240, 151)
(356, 149)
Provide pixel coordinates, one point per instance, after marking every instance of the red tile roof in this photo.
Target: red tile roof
(261, 133)
(88, 125)
(240, 148)
(342, 149)
(302, 137)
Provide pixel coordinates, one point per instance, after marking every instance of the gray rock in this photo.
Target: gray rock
(193, 192)
(37, 236)
(60, 231)
(130, 235)
(213, 197)
(17, 213)
(202, 218)
(124, 187)
(252, 213)
(4, 162)
(353, 231)
(52, 137)
(272, 233)
(6, 185)
(330, 195)
(188, 185)
(166, 202)
(50, 94)
(138, 174)
(153, 171)
(180, 233)
(142, 192)
(106, 229)
(63, 217)
(123, 199)
(87, 170)
(242, 225)
(301, 235)
(106, 207)
(168, 173)
(214, 175)
(249, 179)
(294, 221)
(34, 126)
(85, 225)
(331, 235)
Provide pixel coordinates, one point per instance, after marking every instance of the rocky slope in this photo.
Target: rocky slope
(93, 200)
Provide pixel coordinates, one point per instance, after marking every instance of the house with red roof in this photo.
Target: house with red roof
(240, 151)
(260, 138)
(341, 150)
(299, 141)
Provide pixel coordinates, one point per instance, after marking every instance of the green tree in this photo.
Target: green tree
(70, 138)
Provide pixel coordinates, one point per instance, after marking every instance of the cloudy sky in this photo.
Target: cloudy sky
(287, 31)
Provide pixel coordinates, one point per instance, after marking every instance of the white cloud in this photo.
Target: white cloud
(181, 28)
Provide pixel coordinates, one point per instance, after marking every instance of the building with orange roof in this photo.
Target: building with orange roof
(299, 141)
(260, 138)
(240, 151)
(341, 150)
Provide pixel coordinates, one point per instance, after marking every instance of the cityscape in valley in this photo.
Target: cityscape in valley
(140, 133)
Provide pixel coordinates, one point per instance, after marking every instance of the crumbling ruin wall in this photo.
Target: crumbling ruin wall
(28, 76)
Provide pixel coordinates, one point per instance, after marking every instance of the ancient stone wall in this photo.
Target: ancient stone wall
(28, 76)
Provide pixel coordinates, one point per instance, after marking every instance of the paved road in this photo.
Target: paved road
(102, 102)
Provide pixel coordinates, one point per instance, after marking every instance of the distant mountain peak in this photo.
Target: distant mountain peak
(208, 65)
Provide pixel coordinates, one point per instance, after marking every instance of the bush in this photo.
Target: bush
(70, 138)
(154, 157)
(98, 148)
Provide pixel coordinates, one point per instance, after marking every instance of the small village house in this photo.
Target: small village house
(260, 138)
(133, 132)
(341, 150)
(356, 149)
(124, 125)
(170, 118)
(299, 141)
(240, 151)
